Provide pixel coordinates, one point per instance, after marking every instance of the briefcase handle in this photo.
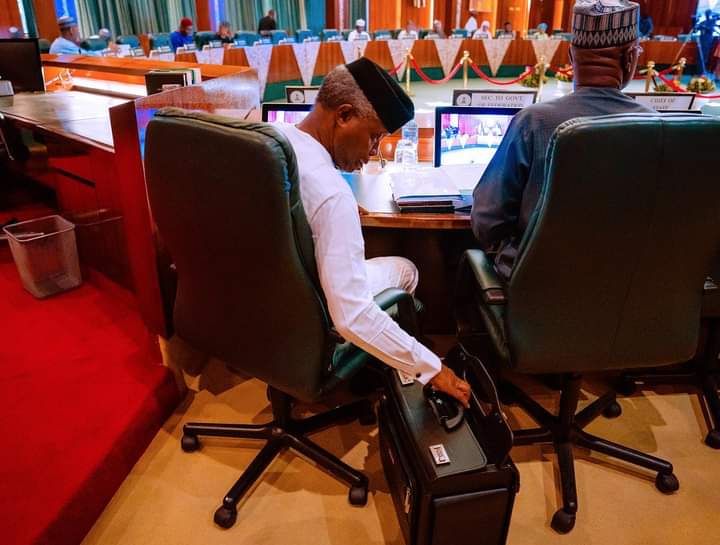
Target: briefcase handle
(493, 419)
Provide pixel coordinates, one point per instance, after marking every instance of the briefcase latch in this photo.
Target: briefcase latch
(439, 454)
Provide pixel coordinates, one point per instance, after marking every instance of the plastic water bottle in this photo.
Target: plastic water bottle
(406, 149)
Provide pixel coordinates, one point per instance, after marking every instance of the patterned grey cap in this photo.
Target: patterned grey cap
(604, 23)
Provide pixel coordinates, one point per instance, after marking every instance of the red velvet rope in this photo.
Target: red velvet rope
(426, 79)
(396, 69)
(476, 69)
(675, 87)
(559, 70)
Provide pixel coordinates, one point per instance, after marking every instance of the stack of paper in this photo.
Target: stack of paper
(425, 190)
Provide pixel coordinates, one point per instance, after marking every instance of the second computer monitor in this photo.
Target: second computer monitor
(285, 113)
(467, 135)
(20, 64)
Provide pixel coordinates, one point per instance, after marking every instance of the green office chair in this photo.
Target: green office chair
(44, 45)
(703, 371)
(247, 287)
(128, 39)
(159, 39)
(609, 275)
(93, 44)
(248, 36)
(204, 37)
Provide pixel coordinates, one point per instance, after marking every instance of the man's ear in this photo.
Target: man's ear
(344, 113)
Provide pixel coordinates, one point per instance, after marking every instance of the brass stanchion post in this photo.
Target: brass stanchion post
(650, 73)
(408, 58)
(465, 61)
(540, 68)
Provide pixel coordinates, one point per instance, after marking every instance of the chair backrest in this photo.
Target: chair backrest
(611, 268)
(329, 33)
(459, 32)
(277, 35)
(128, 39)
(247, 36)
(301, 34)
(203, 38)
(160, 39)
(233, 223)
(44, 45)
(382, 34)
(93, 44)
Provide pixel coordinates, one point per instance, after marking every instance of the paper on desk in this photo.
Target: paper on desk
(423, 184)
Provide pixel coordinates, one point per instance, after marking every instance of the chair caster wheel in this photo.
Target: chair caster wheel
(189, 443)
(562, 521)
(613, 410)
(225, 516)
(358, 495)
(626, 386)
(713, 439)
(667, 483)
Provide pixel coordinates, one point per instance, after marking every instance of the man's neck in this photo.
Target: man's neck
(318, 129)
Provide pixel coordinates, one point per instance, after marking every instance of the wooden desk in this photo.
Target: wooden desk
(80, 167)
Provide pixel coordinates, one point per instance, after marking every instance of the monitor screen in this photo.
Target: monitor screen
(285, 113)
(20, 64)
(467, 135)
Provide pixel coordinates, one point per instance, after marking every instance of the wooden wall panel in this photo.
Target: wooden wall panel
(669, 16)
(46, 19)
(385, 14)
(9, 16)
(202, 15)
(422, 17)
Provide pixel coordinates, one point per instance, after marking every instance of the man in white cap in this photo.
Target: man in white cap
(68, 43)
(604, 54)
(359, 33)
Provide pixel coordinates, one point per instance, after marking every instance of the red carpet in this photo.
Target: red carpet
(81, 398)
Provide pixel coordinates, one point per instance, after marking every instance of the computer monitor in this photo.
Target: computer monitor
(20, 64)
(285, 113)
(466, 135)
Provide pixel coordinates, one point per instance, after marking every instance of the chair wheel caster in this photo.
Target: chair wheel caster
(613, 410)
(626, 386)
(358, 495)
(667, 483)
(225, 516)
(562, 521)
(713, 439)
(189, 443)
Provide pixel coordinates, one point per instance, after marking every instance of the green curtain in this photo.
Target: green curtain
(358, 10)
(29, 10)
(244, 14)
(132, 16)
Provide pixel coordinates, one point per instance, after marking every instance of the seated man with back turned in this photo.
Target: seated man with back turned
(604, 55)
(356, 106)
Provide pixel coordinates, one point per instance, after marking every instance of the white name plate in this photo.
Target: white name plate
(665, 101)
(493, 99)
(297, 94)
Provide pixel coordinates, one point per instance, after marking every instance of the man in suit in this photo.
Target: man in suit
(267, 24)
(604, 54)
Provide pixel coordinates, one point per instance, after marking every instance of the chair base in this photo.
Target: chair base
(282, 433)
(565, 431)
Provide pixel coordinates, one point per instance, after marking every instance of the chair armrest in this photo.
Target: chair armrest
(486, 277)
(406, 315)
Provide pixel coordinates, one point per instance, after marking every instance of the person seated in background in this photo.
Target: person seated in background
(14, 33)
(646, 27)
(409, 32)
(183, 35)
(105, 35)
(437, 30)
(68, 43)
(508, 191)
(471, 25)
(542, 32)
(507, 31)
(357, 105)
(483, 33)
(267, 24)
(359, 33)
(225, 33)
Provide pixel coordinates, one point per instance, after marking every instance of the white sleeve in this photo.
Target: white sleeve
(340, 257)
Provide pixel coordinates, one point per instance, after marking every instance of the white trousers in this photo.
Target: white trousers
(391, 272)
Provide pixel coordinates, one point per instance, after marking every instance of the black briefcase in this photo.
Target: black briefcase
(449, 487)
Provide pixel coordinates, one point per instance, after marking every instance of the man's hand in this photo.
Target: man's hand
(447, 381)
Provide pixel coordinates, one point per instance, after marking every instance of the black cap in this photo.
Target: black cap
(392, 105)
